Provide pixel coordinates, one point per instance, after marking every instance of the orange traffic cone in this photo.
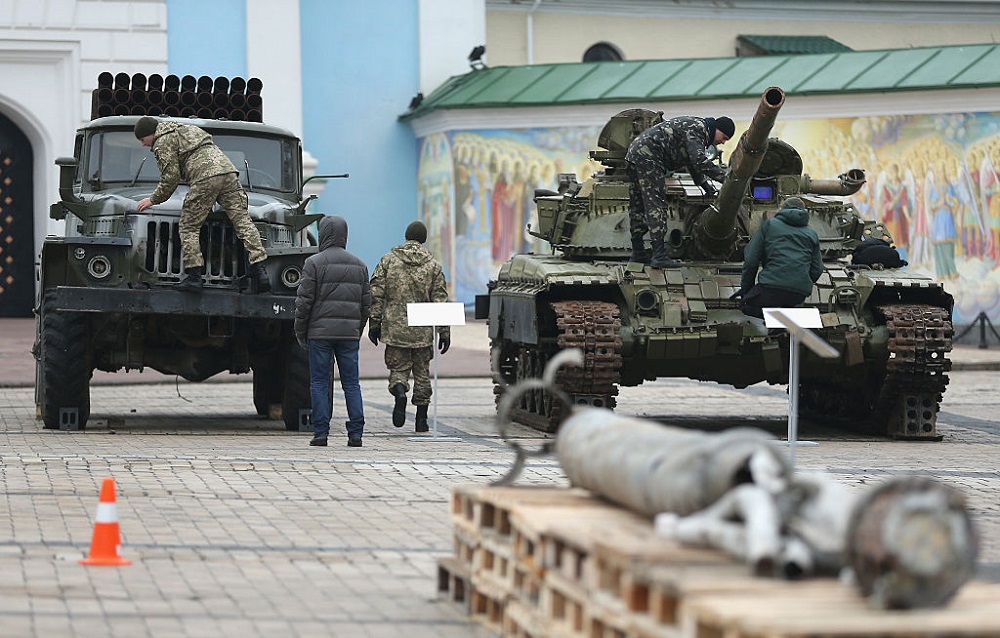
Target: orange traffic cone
(106, 541)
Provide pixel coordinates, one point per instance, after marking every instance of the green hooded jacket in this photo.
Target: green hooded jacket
(787, 252)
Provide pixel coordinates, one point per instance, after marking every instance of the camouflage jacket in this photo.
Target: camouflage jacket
(676, 144)
(407, 274)
(185, 153)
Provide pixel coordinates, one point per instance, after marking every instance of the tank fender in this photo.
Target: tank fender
(513, 318)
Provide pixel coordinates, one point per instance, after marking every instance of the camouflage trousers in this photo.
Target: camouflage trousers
(226, 190)
(647, 206)
(401, 361)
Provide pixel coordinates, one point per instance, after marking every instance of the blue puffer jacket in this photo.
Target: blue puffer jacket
(787, 252)
(334, 297)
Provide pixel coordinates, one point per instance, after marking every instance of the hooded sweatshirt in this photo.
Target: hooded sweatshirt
(787, 252)
(407, 274)
(334, 298)
(185, 153)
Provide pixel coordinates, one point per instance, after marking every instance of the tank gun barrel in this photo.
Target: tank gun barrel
(716, 233)
(845, 184)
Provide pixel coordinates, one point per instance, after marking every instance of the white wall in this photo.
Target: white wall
(448, 30)
(51, 52)
(643, 30)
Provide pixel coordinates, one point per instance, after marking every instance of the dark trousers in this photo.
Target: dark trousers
(760, 297)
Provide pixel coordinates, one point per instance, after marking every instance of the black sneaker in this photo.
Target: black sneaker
(317, 441)
(352, 441)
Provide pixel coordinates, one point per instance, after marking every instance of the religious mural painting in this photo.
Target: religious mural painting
(932, 180)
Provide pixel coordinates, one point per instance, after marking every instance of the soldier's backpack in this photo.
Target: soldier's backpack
(877, 251)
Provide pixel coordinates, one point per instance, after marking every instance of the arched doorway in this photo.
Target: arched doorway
(17, 287)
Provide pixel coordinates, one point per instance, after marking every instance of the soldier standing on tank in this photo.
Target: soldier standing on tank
(669, 146)
(408, 274)
(186, 152)
(787, 252)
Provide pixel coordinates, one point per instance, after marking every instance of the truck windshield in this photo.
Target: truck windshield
(263, 163)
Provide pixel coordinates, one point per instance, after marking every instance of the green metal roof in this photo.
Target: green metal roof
(966, 66)
(794, 44)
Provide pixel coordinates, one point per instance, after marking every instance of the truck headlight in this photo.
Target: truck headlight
(291, 276)
(99, 267)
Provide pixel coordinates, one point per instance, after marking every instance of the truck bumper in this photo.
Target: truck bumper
(208, 302)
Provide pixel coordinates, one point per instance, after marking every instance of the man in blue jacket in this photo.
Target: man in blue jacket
(331, 309)
(787, 252)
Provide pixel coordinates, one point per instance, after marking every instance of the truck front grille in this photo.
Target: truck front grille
(225, 257)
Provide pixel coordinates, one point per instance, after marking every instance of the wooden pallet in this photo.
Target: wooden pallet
(454, 583)
(830, 609)
(559, 563)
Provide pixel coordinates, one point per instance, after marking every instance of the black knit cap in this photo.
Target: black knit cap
(725, 125)
(145, 126)
(417, 232)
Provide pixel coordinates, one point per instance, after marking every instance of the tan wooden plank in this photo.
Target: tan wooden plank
(832, 610)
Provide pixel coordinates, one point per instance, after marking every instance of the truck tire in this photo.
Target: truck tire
(268, 386)
(64, 368)
(295, 396)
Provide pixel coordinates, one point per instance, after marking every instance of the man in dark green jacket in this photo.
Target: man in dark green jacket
(787, 252)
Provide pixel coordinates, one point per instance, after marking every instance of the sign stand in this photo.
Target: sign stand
(435, 314)
(796, 321)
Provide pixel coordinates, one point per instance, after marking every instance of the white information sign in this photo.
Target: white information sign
(446, 313)
(801, 317)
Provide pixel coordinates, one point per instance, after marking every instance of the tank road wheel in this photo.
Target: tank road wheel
(295, 394)
(900, 395)
(591, 326)
(535, 408)
(64, 368)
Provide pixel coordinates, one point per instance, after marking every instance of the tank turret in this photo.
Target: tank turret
(715, 231)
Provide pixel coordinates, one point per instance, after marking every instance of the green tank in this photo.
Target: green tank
(892, 327)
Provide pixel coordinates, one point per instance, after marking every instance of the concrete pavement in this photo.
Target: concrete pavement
(468, 356)
(238, 528)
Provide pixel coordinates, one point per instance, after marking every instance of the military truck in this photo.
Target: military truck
(105, 299)
(635, 323)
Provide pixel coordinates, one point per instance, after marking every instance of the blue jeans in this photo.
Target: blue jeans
(322, 353)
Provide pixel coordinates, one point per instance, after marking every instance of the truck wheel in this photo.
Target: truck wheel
(64, 368)
(296, 391)
(267, 387)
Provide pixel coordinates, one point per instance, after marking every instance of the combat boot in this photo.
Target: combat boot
(660, 258)
(399, 410)
(640, 253)
(421, 420)
(192, 281)
(259, 281)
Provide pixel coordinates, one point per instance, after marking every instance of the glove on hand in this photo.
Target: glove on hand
(737, 295)
(375, 332)
(304, 344)
(709, 190)
(444, 342)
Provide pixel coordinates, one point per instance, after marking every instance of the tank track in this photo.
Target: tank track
(920, 336)
(592, 326)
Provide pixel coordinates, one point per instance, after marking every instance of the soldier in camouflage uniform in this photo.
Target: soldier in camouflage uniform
(672, 145)
(407, 274)
(186, 153)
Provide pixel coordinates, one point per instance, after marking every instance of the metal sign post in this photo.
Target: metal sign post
(796, 321)
(435, 314)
